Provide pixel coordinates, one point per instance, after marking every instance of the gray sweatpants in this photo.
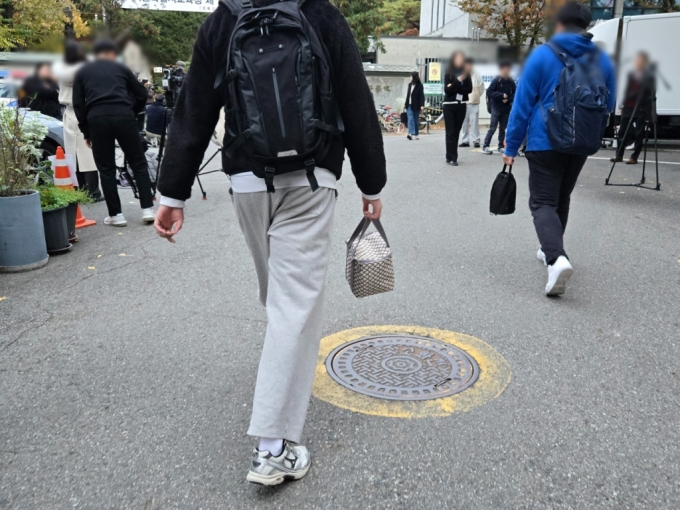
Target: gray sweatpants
(470, 130)
(288, 233)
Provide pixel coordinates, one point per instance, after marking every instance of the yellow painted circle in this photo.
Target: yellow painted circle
(494, 376)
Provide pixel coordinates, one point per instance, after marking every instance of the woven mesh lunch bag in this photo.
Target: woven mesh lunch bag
(369, 268)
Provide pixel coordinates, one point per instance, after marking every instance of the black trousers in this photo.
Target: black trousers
(552, 177)
(454, 115)
(104, 131)
(499, 120)
(636, 132)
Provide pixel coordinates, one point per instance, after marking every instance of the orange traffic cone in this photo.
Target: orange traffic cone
(62, 179)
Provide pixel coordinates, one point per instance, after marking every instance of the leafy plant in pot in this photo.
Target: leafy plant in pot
(59, 215)
(22, 239)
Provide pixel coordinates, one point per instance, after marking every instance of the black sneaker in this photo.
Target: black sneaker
(464, 144)
(477, 145)
(409, 137)
(453, 163)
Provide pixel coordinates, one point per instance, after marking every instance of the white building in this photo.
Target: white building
(442, 18)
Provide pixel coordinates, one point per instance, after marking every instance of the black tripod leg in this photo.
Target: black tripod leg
(205, 196)
(656, 157)
(644, 157)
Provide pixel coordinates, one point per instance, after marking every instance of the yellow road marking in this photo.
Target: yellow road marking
(494, 376)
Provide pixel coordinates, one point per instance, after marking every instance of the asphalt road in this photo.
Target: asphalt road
(127, 366)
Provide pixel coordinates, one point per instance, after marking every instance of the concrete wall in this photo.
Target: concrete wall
(405, 50)
(388, 89)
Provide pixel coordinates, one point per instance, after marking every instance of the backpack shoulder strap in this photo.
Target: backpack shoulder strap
(564, 57)
(236, 6)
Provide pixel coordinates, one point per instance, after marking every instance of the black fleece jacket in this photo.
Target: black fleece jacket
(501, 86)
(198, 106)
(454, 88)
(106, 87)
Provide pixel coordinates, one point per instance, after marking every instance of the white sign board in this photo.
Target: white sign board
(157, 70)
(433, 89)
(172, 5)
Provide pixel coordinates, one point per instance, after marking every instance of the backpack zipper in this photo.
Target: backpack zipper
(278, 102)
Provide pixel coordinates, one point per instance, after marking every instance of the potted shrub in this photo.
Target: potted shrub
(59, 206)
(22, 239)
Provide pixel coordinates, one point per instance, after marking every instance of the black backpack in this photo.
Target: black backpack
(503, 193)
(281, 108)
(579, 115)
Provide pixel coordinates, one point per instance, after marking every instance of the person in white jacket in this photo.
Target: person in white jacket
(470, 128)
(65, 71)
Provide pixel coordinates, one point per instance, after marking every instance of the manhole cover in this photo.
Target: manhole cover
(402, 367)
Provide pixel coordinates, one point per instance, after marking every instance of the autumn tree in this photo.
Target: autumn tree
(400, 16)
(364, 18)
(518, 22)
(38, 24)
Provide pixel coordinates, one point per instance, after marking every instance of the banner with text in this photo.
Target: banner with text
(172, 5)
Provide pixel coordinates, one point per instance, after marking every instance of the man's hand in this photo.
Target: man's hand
(508, 160)
(372, 208)
(88, 142)
(169, 221)
(505, 96)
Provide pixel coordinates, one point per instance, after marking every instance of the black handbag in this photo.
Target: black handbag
(503, 193)
(404, 118)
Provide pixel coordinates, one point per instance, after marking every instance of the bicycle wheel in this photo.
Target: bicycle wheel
(398, 126)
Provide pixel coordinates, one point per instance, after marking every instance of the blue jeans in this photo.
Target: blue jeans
(413, 118)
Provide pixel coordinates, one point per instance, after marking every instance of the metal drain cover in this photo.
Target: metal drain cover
(402, 367)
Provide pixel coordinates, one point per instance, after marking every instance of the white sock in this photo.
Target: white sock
(273, 446)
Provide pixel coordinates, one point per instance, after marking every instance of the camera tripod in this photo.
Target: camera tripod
(650, 125)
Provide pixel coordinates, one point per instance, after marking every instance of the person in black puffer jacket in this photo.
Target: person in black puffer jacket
(501, 94)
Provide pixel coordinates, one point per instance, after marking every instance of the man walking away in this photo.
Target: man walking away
(501, 92)
(554, 164)
(106, 98)
(638, 90)
(287, 230)
(471, 122)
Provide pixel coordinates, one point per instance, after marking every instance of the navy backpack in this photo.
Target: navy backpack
(578, 117)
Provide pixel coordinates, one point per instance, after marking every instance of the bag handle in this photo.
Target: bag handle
(361, 229)
(509, 169)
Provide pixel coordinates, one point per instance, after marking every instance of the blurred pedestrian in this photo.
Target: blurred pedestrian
(457, 87)
(553, 173)
(155, 118)
(470, 130)
(40, 92)
(74, 141)
(415, 103)
(501, 93)
(639, 90)
(106, 98)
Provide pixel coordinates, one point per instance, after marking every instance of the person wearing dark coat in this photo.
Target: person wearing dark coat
(501, 94)
(40, 92)
(415, 103)
(155, 116)
(457, 86)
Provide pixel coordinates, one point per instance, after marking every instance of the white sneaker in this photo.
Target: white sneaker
(558, 275)
(148, 215)
(117, 221)
(541, 256)
(292, 464)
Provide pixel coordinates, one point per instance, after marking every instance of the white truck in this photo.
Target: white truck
(658, 35)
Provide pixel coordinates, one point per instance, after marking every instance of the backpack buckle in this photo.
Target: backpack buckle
(247, 4)
(269, 172)
(310, 164)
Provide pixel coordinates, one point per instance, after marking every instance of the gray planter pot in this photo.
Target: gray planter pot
(22, 237)
(71, 213)
(56, 230)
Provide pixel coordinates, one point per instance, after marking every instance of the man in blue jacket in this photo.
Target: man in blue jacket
(552, 174)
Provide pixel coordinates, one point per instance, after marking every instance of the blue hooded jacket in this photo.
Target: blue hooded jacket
(540, 76)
